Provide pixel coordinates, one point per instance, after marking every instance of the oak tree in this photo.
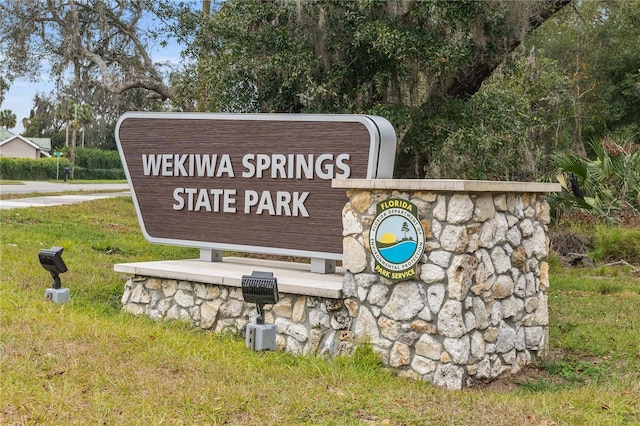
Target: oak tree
(90, 37)
(408, 61)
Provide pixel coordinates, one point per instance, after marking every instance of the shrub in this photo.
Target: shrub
(98, 174)
(612, 243)
(92, 158)
(606, 186)
(30, 169)
(90, 164)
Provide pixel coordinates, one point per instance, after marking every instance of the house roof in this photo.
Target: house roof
(43, 144)
(5, 134)
(23, 139)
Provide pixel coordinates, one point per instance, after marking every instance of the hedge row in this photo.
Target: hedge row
(92, 158)
(102, 174)
(29, 169)
(45, 169)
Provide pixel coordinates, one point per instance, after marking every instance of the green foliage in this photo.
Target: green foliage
(416, 64)
(607, 186)
(596, 44)
(574, 370)
(92, 164)
(30, 169)
(615, 243)
(98, 164)
(410, 63)
(3, 89)
(99, 174)
(91, 158)
(42, 119)
(93, 41)
(508, 130)
(7, 119)
(419, 64)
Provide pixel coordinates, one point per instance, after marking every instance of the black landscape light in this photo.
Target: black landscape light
(260, 288)
(51, 260)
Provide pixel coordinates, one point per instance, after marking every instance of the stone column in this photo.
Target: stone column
(479, 308)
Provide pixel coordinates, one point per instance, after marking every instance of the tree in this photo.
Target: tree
(82, 114)
(7, 119)
(65, 112)
(405, 229)
(74, 116)
(3, 88)
(106, 106)
(511, 127)
(596, 43)
(95, 37)
(412, 62)
(41, 121)
(84, 117)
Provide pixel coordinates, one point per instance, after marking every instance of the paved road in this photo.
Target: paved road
(57, 200)
(28, 187)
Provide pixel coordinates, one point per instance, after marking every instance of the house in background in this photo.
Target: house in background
(17, 146)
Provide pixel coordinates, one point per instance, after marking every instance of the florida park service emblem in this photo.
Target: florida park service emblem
(396, 239)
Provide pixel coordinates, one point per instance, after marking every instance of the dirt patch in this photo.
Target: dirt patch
(529, 374)
(572, 248)
(630, 221)
(536, 373)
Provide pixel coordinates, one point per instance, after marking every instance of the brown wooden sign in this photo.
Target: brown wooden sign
(257, 183)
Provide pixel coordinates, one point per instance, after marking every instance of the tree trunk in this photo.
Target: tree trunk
(578, 144)
(73, 150)
(468, 81)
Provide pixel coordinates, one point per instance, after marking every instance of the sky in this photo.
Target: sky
(19, 98)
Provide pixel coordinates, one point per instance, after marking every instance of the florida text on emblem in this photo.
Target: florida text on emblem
(396, 239)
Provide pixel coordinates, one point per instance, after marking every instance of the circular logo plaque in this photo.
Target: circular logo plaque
(396, 239)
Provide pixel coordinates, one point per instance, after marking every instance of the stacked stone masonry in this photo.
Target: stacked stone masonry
(479, 308)
(477, 311)
(305, 324)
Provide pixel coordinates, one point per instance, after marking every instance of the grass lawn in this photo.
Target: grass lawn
(86, 362)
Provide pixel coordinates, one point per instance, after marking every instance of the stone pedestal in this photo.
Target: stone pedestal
(479, 308)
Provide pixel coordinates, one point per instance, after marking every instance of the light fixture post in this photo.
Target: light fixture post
(51, 260)
(260, 288)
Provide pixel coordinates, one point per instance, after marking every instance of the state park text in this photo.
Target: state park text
(324, 166)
